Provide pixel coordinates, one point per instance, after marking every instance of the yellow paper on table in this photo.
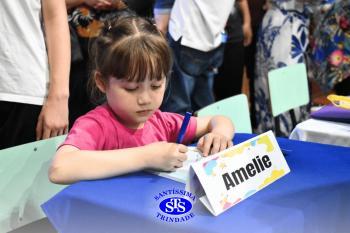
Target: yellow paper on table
(224, 179)
(340, 101)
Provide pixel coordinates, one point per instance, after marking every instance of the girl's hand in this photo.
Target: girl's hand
(212, 143)
(166, 156)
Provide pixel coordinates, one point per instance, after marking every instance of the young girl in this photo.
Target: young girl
(128, 133)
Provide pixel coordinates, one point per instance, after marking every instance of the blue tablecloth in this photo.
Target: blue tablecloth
(314, 197)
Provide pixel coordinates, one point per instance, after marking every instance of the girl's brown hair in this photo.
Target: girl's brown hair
(130, 48)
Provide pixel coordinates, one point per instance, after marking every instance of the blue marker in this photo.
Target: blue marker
(183, 128)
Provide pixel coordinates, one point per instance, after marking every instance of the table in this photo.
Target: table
(326, 132)
(314, 197)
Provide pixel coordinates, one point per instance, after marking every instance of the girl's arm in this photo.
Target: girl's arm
(71, 164)
(215, 134)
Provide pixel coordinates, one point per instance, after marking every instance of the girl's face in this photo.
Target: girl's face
(134, 102)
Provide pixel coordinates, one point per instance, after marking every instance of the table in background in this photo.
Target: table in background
(314, 197)
(326, 132)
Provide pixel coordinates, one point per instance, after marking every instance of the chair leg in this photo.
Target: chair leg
(277, 126)
(292, 116)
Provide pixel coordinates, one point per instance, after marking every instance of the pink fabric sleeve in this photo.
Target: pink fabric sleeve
(86, 134)
(190, 135)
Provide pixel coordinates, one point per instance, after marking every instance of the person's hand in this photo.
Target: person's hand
(248, 34)
(53, 118)
(212, 143)
(99, 4)
(267, 5)
(166, 156)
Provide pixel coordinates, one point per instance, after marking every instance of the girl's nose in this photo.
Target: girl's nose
(144, 98)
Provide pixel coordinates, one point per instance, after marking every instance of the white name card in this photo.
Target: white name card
(230, 176)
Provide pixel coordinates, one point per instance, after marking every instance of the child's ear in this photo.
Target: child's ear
(100, 83)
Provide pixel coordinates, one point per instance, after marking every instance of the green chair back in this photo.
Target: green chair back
(235, 107)
(288, 88)
(24, 183)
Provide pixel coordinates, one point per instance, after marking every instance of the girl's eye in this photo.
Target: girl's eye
(155, 87)
(130, 89)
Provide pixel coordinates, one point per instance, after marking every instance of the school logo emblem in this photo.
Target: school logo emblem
(175, 205)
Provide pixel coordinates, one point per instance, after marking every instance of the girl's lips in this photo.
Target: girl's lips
(148, 110)
(144, 112)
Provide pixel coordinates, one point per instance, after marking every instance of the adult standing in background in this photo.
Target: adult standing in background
(283, 41)
(330, 47)
(228, 81)
(34, 70)
(86, 18)
(257, 11)
(196, 35)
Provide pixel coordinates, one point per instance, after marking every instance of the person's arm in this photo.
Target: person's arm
(73, 3)
(267, 5)
(96, 4)
(71, 164)
(215, 134)
(53, 118)
(162, 21)
(247, 30)
(161, 11)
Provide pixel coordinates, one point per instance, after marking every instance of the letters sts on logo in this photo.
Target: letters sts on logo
(175, 205)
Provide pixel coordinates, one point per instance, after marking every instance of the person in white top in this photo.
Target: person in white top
(34, 70)
(196, 34)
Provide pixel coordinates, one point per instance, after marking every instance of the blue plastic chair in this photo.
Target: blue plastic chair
(235, 107)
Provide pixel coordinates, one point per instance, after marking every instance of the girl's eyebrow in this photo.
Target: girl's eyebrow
(129, 83)
(126, 80)
(158, 82)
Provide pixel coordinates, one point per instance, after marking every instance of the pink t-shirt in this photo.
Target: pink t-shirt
(100, 130)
